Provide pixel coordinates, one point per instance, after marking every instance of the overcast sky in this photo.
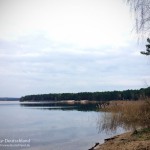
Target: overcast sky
(55, 46)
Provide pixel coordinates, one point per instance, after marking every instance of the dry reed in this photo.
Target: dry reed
(127, 114)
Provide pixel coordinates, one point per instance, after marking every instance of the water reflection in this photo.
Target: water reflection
(65, 126)
(106, 122)
(61, 106)
(111, 122)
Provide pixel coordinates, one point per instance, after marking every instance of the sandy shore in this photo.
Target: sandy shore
(126, 141)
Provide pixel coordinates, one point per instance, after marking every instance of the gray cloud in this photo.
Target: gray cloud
(37, 65)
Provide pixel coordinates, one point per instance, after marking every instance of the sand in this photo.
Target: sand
(126, 141)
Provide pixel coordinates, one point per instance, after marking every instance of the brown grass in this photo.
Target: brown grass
(127, 114)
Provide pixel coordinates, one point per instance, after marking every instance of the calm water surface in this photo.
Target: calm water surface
(50, 126)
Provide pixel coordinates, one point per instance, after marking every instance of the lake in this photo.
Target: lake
(47, 126)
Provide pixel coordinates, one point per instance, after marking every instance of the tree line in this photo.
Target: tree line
(91, 96)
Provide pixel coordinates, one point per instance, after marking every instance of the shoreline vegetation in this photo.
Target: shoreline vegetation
(64, 101)
(127, 114)
(132, 115)
(90, 96)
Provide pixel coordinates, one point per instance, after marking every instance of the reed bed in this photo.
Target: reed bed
(126, 114)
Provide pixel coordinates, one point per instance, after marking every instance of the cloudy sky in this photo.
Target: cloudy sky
(54, 46)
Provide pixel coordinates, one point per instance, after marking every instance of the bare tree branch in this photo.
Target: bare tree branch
(141, 9)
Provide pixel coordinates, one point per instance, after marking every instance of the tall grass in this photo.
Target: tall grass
(126, 114)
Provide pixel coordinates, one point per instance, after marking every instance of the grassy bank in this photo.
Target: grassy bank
(127, 114)
(131, 115)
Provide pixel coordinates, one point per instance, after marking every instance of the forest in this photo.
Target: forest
(142, 93)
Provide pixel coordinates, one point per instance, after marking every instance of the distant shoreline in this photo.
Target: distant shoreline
(64, 101)
(9, 99)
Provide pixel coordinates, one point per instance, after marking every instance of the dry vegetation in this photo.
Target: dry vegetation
(127, 114)
(133, 115)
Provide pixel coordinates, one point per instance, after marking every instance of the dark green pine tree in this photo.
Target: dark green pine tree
(147, 52)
